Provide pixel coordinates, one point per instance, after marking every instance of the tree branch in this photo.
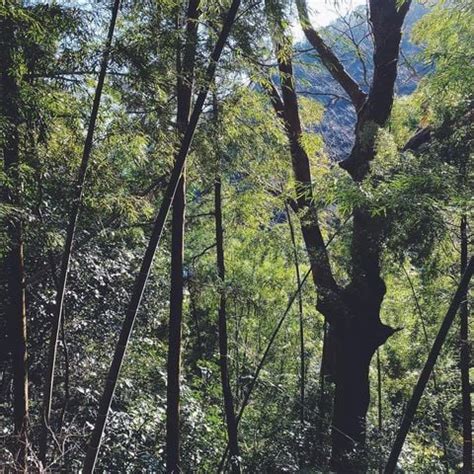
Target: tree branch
(329, 59)
(386, 18)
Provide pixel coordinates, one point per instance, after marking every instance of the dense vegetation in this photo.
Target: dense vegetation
(278, 319)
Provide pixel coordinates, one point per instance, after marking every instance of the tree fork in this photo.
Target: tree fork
(142, 277)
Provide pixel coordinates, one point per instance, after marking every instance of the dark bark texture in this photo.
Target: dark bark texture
(465, 360)
(14, 307)
(185, 70)
(353, 312)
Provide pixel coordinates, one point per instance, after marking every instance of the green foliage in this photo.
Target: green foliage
(447, 34)
(420, 194)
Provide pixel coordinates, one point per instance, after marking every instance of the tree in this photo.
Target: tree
(155, 238)
(242, 379)
(70, 237)
(185, 74)
(12, 260)
(230, 418)
(353, 311)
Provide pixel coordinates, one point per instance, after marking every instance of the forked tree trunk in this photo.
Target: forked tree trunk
(358, 330)
(12, 265)
(231, 420)
(353, 311)
(184, 69)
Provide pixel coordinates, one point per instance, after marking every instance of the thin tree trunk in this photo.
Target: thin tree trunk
(229, 410)
(13, 267)
(439, 410)
(410, 411)
(16, 327)
(141, 280)
(379, 401)
(301, 325)
(68, 246)
(185, 72)
(269, 345)
(174, 331)
(465, 360)
(322, 425)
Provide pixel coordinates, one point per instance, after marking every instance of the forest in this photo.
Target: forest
(236, 236)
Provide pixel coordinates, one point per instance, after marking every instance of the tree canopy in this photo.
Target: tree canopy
(226, 246)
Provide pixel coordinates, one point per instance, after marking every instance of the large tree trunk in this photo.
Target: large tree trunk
(185, 69)
(351, 401)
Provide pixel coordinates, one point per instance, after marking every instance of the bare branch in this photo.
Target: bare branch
(329, 59)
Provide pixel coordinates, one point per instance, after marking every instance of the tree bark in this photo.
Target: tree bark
(353, 312)
(185, 72)
(379, 392)
(386, 19)
(329, 59)
(351, 400)
(12, 265)
(175, 330)
(155, 238)
(68, 246)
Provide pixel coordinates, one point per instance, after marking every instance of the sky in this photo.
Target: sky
(323, 12)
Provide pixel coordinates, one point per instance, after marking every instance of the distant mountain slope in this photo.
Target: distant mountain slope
(313, 79)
